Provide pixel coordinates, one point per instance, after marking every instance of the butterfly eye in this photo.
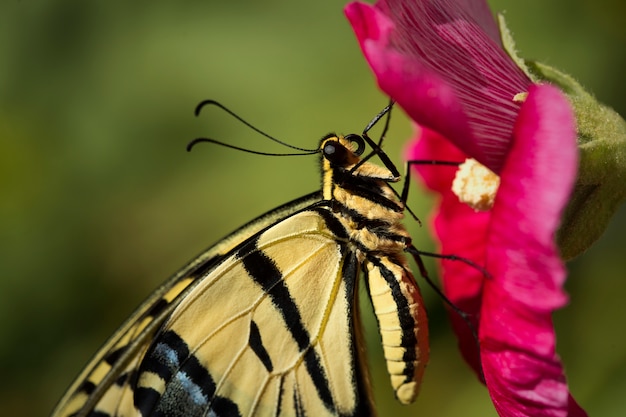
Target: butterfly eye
(336, 153)
(359, 141)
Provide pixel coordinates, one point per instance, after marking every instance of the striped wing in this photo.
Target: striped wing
(264, 323)
(113, 365)
(269, 332)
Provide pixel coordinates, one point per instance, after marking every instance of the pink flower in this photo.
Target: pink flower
(442, 61)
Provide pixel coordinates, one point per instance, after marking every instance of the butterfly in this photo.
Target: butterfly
(266, 322)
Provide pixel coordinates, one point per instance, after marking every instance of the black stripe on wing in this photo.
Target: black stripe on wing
(189, 389)
(350, 274)
(266, 274)
(256, 344)
(364, 405)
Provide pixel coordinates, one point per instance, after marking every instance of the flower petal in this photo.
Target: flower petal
(539, 176)
(421, 92)
(439, 60)
(521, 368)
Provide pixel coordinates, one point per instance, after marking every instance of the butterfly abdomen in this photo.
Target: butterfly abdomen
(402, 324)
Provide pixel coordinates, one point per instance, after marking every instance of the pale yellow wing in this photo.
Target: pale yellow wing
(115, 362)
(265, 323)
(268, 333)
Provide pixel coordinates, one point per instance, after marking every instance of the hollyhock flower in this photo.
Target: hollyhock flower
(515, 242)
(448, 66)
(443, 62)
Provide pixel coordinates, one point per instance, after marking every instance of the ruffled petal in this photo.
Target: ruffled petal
(441, 62)
(521, 368)
(421, 92)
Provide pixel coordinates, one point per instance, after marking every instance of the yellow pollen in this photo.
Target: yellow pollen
(475, 185)
(520, 97)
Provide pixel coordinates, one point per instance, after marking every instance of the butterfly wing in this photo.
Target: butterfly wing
(269, 332)
(119, 356)
(264, 323)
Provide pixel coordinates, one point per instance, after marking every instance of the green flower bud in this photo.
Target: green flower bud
(601, 183)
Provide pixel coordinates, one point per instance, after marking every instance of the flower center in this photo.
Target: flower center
(475, 185)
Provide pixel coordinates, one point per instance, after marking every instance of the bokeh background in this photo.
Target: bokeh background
(100, 202)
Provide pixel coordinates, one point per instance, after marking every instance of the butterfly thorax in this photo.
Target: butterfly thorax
(360, 196)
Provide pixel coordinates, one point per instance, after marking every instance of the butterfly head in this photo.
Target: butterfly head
(342, 151)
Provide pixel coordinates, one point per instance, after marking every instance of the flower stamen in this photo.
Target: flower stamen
(475, 185)
(520, 97)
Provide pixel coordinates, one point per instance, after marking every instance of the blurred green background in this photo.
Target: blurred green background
(100, 202)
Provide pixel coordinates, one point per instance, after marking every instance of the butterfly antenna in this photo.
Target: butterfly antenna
(194, 142)
(219, 105)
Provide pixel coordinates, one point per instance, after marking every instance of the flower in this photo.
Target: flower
(515, 243)
(443, 63)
